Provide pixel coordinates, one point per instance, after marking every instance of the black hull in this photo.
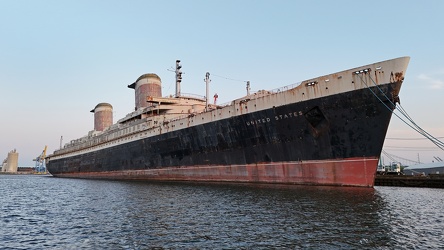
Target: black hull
(341, 126)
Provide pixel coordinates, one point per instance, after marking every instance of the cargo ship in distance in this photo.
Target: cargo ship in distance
(328, 130)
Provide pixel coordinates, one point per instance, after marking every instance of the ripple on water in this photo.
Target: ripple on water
(44, 212)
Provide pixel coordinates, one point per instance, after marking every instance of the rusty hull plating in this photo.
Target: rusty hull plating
(324, 131)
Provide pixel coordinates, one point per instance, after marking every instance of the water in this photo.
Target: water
(40, 212)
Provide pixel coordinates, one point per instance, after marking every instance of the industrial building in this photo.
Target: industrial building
(425, 169)
(10, 164)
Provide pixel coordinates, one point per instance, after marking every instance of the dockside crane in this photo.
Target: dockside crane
(40, 166)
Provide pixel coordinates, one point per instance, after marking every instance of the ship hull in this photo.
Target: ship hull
(347, 172)
(331, 140)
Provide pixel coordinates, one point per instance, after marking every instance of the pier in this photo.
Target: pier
(429, 181)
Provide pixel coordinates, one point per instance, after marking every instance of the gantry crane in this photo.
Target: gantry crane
(40, 166)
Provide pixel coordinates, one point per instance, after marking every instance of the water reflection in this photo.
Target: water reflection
(257, 215)
(60, 213)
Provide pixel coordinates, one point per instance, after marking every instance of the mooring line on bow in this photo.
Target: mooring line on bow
(415, 126)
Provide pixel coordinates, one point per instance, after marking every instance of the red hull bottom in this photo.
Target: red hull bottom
(358, 172)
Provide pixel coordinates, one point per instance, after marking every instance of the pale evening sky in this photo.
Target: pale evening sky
(59, 58)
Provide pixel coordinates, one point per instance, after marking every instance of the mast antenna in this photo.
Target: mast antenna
(248, 88)
(207, 81)
(178, 77)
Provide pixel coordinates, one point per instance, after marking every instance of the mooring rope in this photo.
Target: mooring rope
(414, 125)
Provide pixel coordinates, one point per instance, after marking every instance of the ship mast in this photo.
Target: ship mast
(248, 88)
(178, 77)
(207, 82)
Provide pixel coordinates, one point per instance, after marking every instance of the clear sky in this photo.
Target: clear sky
(60, 58)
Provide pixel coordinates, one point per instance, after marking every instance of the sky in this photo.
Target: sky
(60, 58)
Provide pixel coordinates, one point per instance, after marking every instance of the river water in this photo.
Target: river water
(43, 212)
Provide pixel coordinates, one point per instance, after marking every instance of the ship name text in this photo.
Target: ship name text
(276, 118)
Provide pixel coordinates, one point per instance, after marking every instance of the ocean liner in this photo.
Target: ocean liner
(327, 130)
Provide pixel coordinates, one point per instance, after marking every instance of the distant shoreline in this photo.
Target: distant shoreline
(24, 173)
